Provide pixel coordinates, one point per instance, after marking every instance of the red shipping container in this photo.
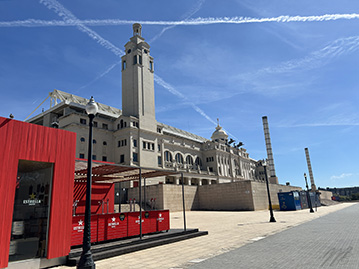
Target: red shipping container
(163, 220)
(78, 226)
(116, 226)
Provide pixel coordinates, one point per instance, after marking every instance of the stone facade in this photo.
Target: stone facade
(241, 195)
(133, 137)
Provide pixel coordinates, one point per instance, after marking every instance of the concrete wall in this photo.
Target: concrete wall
(327, 195)
(260, 196)
(173, 197)
(169, 196)
(241, 195)
(226, 196)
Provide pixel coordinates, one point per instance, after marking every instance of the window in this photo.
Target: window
(168, 156)
(104, 158)
(122, 143)
(159, 147)
(82, 139)
(151, 65)
(123, 65)
(153, 146)
(134, 123)
(144, 144)
(95, 124)
(122, 158)
(158, 130)
(135, 143)
(134, 155)
(135, 59)
(105, 126)
(93, 157)
(104, 143)
(94, 141)
(159, 160)
(198, 162)
(179, 158)
(82, 156)
(189, 160)
(139, 59)
(83, 121)
(148, 145)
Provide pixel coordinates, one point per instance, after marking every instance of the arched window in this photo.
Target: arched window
(82, 139)
(168, 156)
(179, 158)
(198, 162)
(121, 124)
(189, 160)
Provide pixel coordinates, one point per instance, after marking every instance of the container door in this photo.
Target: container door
(31, 211)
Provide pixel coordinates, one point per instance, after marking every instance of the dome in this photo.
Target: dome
(219, 134)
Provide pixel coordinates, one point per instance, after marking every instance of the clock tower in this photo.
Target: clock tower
(138, 98)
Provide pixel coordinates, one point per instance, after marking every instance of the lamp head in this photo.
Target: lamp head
(305, 175)
(91, 107)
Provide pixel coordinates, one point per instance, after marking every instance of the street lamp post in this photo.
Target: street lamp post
(86, 260)
(308, 195)
(272, 219)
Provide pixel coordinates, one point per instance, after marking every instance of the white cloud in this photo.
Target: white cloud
(342, 176)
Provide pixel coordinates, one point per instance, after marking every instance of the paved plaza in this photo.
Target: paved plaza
(248, 240)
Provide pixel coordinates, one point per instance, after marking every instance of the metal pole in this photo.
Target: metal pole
(272, 219)
(308, 195)
(140, 194)
(184, 208)
(119, 197)
(144, 192)
(86, 260)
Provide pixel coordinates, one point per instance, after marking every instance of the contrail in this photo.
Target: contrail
(71, 21)
(172, 90)
(186, 16)
(67, 15)
(99, 76)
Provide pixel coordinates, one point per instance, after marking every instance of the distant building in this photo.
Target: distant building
(132, 136)
(342, 191)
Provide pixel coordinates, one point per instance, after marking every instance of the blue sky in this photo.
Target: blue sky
(301, 72)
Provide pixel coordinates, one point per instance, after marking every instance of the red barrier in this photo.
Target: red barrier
(133, 226)
(149, 224)
(116, 226)
(163, 220)
(78, 225)
(119, 225)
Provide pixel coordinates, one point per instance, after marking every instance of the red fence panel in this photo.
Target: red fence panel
(78, 226)
(163, 220)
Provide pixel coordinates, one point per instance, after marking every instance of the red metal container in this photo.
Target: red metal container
(149, 223)
(78, 226)
(163, 220)
(134, 223)
(116, 226)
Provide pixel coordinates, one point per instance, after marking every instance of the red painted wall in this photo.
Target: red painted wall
(19, 140)
(99, 192)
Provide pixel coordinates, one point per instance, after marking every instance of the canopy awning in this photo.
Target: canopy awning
(106, 172)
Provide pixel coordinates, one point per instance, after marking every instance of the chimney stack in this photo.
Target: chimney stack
(312, 184)
(273, 178)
